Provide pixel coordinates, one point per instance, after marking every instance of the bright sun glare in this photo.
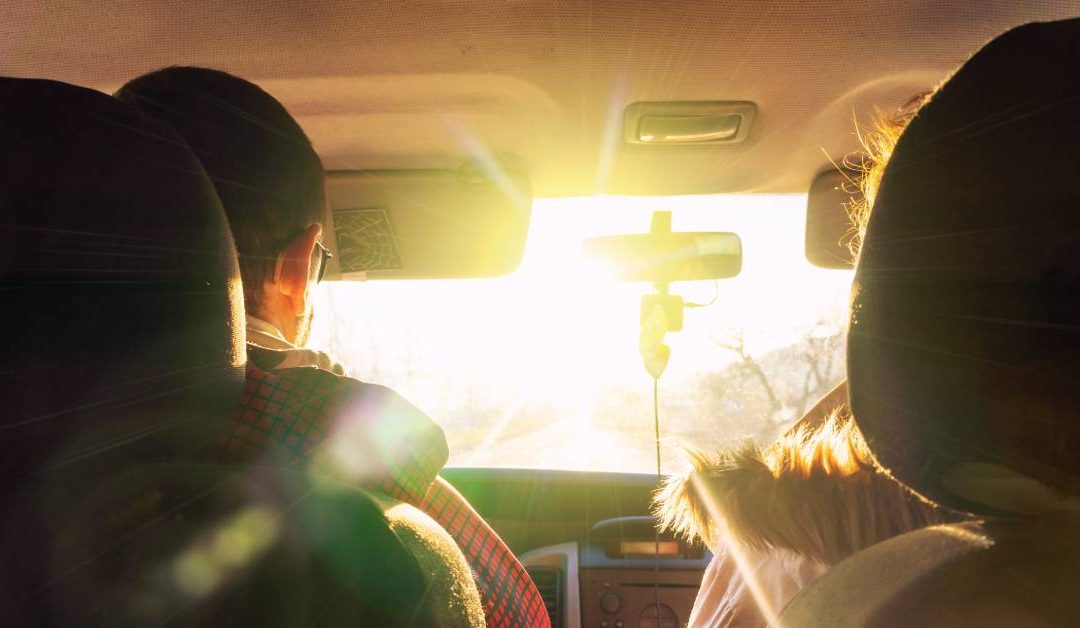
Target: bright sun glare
(540, 368)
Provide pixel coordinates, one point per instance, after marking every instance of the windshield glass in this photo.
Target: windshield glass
(541, 369)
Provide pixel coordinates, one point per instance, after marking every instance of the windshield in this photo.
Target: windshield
(540, 369)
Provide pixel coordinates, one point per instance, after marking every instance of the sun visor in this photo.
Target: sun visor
(829, 230)
(426, 224)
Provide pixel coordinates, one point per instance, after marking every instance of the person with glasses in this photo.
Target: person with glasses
(270, 181)
(299, 408)
(268, 346)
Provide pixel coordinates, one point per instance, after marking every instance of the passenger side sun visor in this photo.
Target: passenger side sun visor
(830, 232)
(426, 224)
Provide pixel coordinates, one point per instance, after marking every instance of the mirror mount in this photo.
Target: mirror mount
(660, 312)
(659, 228)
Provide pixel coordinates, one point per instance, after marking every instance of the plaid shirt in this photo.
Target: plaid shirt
(364, 434)
(372, 437)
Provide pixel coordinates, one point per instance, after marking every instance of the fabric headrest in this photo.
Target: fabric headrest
(122, 298)
(964, 345)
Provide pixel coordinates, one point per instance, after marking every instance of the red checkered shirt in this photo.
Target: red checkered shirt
(372, 437)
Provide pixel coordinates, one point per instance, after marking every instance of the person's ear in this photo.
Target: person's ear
(292, 271)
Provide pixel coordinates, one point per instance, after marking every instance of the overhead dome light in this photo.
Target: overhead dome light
(688, 122)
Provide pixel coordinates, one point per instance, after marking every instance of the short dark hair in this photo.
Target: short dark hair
(265, 170)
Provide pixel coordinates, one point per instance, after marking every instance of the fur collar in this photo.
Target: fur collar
(817, 491)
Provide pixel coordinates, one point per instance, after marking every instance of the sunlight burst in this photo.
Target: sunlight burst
(541, 368)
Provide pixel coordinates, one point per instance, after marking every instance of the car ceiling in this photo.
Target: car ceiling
(388, 85)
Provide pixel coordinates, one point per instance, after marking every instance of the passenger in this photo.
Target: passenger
(272, 185)
(777, 517)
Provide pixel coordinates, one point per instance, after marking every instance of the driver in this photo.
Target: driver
(272, 185)
(778, 517)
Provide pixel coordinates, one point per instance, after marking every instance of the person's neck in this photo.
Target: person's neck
(267, 323)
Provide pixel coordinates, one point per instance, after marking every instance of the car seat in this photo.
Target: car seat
(963, 349)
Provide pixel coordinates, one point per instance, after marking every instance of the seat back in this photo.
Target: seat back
(965, 324)
(126, 356)
(123, 312)
(963, 348)
(1001, 574)
(119, 278)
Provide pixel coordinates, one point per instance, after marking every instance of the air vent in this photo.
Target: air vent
(549, 582)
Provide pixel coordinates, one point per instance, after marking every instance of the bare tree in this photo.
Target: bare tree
(819, 350)
(789, 380)
(747, 364)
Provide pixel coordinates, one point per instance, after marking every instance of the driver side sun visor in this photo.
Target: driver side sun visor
(427, 224)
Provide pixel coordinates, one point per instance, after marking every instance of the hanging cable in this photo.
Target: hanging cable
(715, 295)
(659, 481)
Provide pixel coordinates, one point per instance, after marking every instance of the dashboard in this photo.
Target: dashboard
(588, 541)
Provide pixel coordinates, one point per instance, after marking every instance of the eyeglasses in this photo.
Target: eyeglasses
(324, 255)
(324, 260)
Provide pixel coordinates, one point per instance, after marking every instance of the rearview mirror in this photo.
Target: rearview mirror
(663, 257)
(829, 231)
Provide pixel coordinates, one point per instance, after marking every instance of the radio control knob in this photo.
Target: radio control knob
(610, 602)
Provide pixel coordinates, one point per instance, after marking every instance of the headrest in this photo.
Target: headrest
(121, 294)
(964, 344)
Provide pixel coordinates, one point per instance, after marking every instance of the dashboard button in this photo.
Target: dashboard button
(610, 602)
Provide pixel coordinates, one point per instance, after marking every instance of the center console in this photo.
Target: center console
(621, 576)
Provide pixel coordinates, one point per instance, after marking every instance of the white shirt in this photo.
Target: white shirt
(265, 335)
(726, 597)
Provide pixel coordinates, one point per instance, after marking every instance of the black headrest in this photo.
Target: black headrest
(122, 300)
(965, 337)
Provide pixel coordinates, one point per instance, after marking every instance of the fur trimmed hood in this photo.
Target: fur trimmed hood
(817, 491)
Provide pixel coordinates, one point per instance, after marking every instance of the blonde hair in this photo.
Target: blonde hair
(817, 491)
(878, 143)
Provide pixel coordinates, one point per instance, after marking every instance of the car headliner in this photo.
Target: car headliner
(427, 84)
